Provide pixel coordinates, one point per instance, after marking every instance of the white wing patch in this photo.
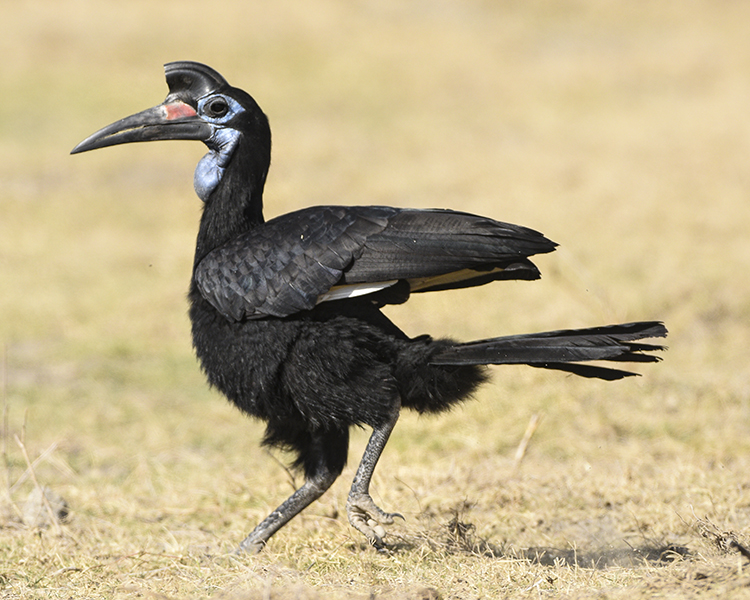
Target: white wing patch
(341, 292)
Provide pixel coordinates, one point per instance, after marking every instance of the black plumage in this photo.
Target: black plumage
(286, 315)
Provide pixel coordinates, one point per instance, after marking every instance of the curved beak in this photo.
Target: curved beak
(172, 120)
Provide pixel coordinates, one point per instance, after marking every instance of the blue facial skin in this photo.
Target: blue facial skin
(221, 145)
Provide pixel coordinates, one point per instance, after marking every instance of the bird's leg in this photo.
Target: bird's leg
(363, 513)
(310, 491)
(322, 454)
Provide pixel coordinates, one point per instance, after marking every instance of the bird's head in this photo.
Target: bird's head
(202, 106)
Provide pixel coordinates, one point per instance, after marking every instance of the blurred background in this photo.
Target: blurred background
(620, 130)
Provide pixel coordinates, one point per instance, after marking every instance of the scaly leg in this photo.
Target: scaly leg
(322, 454)
(363, 513)
(310, 491)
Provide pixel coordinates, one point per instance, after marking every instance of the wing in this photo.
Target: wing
(324, 253)
(445, 249)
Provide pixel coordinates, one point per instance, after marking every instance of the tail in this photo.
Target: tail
(562, 350)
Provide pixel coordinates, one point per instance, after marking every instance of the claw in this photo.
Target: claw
(368, 518)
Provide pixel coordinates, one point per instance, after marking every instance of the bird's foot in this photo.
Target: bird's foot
(250, 546)
(368, 518)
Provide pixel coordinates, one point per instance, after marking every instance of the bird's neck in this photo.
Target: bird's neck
(234, 205)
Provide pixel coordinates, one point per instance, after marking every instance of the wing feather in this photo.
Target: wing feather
(291, 263)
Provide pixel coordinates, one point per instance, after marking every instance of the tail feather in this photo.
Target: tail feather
(563, 350)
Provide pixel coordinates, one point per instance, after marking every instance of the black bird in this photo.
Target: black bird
(286, 317)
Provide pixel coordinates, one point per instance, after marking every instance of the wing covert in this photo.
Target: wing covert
(285, 265)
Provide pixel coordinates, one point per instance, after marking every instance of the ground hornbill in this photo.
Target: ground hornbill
(286, 315)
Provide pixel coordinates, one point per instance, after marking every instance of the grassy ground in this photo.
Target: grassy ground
(621, 130)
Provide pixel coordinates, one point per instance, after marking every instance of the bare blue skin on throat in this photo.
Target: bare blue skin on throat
(211, 167)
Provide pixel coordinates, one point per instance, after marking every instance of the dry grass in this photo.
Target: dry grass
(621, 130)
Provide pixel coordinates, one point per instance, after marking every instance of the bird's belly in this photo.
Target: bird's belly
(320, 372)
(244, 361)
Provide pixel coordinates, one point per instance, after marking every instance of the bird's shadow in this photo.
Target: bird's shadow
(631, 556)
(596, 558)
(458, 537)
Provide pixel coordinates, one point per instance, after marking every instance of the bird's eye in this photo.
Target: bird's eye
(217, 107)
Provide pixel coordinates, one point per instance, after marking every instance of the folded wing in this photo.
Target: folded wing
(325, 253)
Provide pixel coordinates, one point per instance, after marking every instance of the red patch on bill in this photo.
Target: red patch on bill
(179, 110)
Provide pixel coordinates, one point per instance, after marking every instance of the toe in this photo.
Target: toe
(368, 518)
